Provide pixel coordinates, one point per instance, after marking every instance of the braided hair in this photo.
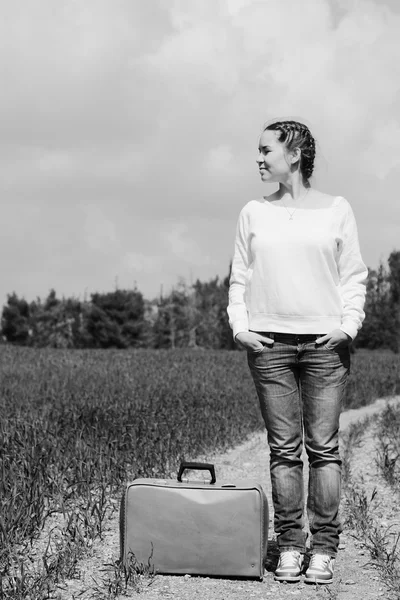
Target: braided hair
(297, 135)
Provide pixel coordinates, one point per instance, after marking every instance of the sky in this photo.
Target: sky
(129, 131)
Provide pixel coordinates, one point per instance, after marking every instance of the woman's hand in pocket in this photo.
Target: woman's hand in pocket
(249, 340)
(335, 339)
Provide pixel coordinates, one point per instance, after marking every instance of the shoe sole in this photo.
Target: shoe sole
(294, 579)
(316, 580)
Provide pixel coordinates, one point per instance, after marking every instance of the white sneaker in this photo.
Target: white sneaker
(320, 569)
(289, 566)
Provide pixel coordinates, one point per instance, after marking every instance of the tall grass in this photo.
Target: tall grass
(75, 425)
(381, 542)
(389, 446)
(374, 374)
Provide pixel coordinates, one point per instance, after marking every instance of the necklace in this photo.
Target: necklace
(298, 202)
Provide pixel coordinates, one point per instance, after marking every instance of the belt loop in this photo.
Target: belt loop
(271, 335)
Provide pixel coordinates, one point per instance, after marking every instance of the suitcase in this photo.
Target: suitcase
(197, 527)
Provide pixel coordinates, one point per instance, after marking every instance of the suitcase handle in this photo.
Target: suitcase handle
(197, 466)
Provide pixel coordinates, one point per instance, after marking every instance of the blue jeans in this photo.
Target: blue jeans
(300, 386)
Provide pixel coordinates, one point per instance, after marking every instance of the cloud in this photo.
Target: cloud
(139, 262)
(129, 129)
(219, 159)
(386, 137)
(99, 91)
(100, 232)
(272, 59)
(181, 245)
(177, 241)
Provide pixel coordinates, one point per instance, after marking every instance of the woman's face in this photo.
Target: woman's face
(273, 159)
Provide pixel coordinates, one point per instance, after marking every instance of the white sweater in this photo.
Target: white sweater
(304, 275)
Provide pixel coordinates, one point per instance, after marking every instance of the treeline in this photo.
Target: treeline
(381, 328)
(188, 317)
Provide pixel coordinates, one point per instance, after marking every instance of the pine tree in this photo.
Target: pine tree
(116, 319)
(15, 320)
(379, 327)
(394, 302)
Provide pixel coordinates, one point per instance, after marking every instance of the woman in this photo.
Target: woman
(296, 298)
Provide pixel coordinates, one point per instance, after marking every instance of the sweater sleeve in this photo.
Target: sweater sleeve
(352, 276)
(237, 310)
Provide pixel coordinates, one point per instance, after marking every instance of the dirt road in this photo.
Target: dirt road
(355, 579)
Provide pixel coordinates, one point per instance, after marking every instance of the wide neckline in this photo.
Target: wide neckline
(277, 204)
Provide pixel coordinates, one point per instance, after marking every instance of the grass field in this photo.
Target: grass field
(75, 425)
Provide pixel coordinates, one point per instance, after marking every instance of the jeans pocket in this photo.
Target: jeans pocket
(329, 348)
(257, 351)
(260, 350)
(335, 348)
